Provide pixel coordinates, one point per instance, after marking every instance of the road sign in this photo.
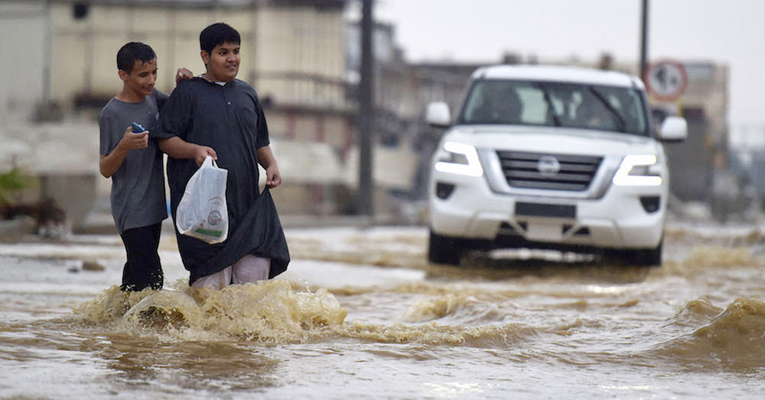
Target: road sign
(665, 80)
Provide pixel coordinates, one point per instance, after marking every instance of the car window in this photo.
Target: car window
(555, 104)
(494, 102)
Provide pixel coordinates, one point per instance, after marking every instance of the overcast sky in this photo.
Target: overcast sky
(723, 31)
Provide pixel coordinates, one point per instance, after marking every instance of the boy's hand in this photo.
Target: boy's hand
(201, 152)
(273, 178)
(132, 140)
(182, 74)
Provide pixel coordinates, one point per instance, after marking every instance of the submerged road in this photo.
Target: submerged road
(361, 314)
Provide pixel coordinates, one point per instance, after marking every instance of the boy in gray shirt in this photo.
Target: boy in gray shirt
(135, 164)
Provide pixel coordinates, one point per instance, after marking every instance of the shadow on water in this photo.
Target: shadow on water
(499, 266)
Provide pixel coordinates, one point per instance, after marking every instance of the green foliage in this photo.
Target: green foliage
(13, 181)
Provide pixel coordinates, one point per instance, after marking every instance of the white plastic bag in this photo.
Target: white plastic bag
(202, 212)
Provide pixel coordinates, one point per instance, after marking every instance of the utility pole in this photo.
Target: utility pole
(365, 123)
(47, 91)
(644, 40)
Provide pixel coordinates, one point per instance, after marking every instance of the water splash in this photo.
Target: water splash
(434, 308)
(437, 334)
(267, 311)
(278, 312)
(735, 338)
(695, 312)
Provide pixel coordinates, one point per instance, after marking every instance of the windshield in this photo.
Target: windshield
(569, 105)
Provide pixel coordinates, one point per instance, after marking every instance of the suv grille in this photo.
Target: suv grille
(548, 171)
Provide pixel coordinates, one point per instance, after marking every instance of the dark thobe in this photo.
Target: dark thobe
(230, 120)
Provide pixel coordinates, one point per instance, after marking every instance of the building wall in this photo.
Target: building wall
(294, 55)
(23, 62)
(301, 56)
(333, 128)
(708, 90)
(84, 50)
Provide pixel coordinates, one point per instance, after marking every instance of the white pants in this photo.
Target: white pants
(246, 270)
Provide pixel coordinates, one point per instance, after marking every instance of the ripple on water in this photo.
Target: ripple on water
(732, 339)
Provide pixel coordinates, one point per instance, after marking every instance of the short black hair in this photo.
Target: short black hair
(132, 52)
(216, 34)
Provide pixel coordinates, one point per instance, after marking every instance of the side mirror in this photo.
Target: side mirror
(437, 115)
(674, 129)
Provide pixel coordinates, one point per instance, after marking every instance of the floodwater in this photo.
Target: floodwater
(361, 314)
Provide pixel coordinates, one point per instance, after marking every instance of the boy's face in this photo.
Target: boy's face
(143, 77)
(223, 63)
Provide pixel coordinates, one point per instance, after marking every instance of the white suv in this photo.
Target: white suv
(550, 157)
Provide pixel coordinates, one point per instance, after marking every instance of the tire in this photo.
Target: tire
(640, 258)
(444, 250)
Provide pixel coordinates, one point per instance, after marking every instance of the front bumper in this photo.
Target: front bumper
(618, 219)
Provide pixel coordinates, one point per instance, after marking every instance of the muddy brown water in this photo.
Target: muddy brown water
(361, 314)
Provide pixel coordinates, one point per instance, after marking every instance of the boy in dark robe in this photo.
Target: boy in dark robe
(217, 111)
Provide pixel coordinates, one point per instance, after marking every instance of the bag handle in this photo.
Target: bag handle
(208, 162)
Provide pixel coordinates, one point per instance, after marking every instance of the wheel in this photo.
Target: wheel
(444, 250)
(642, 257)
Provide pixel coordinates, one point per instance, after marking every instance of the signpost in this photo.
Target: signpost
(665, 80)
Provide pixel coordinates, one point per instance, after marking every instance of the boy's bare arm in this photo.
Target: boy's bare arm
(109, 164)
(268, 161)
(178, 148)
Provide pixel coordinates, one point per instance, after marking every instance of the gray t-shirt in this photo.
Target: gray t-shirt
(138, 186)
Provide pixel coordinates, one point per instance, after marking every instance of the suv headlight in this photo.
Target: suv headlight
(638, 170)
(460, 159)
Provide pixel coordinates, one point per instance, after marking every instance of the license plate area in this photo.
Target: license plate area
(526, 209)
(544, 232)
